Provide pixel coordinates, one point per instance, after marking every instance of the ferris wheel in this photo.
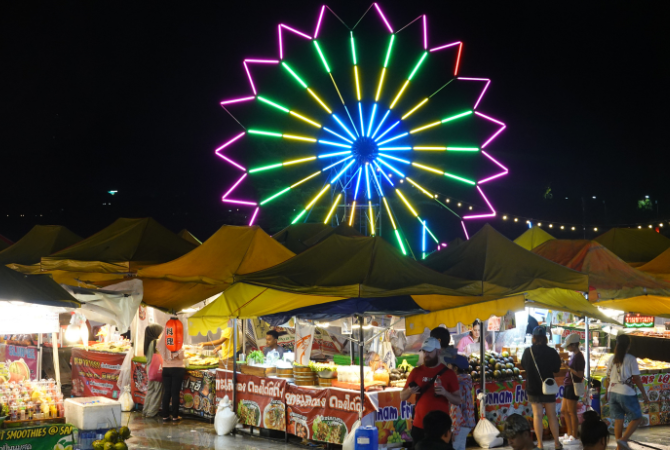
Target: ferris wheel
(371, 121)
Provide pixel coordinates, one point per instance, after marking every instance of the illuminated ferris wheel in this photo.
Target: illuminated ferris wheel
(372, 122)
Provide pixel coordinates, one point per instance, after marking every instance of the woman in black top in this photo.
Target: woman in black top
(549, 363)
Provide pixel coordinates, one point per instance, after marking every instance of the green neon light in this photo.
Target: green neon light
(271, 166)
(428, 230)
(464, 180)
(299, 216)
(264, 133)
(402, 247)
(353, 47)
(275, 196)
(457, 116)
(295, 75)
(323, 58)
(388, 52)
(463, 149)
(265, 100)
(417, 65)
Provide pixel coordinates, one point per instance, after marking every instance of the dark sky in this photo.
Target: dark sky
(99, 96)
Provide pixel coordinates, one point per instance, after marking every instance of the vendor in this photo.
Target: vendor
(271, 343)
(224, 343)
(474, 337)
(374, 361)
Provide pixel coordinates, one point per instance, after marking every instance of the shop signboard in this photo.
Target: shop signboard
(634, 320)
(656, 412)
(393, 417)
(595, 335)
(198, 393)
(95, 373)
(139, 383)
(259, 401)
(18, 362)
(45, 437)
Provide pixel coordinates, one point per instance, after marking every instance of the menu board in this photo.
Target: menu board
(198, 393)
(95, 373)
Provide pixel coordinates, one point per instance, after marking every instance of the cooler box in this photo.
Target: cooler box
(93, 413)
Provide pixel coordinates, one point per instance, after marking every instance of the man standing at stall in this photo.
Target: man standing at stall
(271, 343)
(433, 383)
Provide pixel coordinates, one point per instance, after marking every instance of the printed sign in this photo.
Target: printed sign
(139, 382)
(260, 401)
(304, 335)
(95, 373)
(393, 417)
(18, 362)
(633, 320)
(656, 412)
(493, 324)
(198, 393)
(45, 437)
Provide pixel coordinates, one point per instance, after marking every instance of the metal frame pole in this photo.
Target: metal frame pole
(361, 343)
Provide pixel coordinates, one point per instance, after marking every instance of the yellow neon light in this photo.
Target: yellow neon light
(316, 97)
(381, 83)
(325, 188)
(311, 122)
(330, 213)
(415, 108)
(397, 97)
(336, 88)
(305, 179)
(419, 187)
(430, 169)
(429, 148)
(372, 220)
(296, 161)
(353, 212)
(406, 203)
(434, 124)
(358, 86)
(388, 210)
(298, 138)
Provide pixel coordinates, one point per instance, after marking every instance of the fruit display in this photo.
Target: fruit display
(113, 440)
(113, 347)
(398, 376)
(496, 366)
(31, 400)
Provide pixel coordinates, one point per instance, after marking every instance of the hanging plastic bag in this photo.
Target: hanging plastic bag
(225, 419)
(126, 399)
(388, 357)
(486, 434)
(350, 439)
(125, 376)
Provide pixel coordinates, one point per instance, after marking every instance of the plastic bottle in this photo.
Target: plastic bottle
(438, 382)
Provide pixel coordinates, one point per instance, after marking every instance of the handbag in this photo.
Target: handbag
(156, 368)
(549, 386)
(580, 389)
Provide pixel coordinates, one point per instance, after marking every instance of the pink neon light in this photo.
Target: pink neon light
(490, 118)
(493, 137)
(229, 142)
(232, 162)
(495, 161)
(234, 186)
(425, 33)
(458, 59)
(281, 49)
(306, 36)
(379, 10)
(486, 180)
(483, 90)
(262, 61)
(238, 202)
(479, 216)
(486, 200)
(237, 100)
(318, 23)
(465, 230)
(254, 217)
(443, 47)
(251, 81)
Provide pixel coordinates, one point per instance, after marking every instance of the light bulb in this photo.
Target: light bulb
(72, 333)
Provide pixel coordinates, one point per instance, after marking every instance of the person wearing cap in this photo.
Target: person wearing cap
(516, 430)
(449, 354)
(429, 395)
(575, 367)
(438, 432)
(540, 363)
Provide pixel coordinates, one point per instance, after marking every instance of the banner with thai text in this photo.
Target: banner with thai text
(393, 417)
(656, 412)
(95, 373)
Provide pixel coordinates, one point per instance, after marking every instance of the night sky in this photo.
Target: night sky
(100, 96)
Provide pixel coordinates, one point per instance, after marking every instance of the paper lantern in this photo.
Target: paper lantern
(174, 334)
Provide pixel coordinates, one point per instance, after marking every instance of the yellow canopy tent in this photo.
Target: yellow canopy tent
(41, 240)
(635, 246)
(189, 237)
(659, 266)
(301, 236)
(533, 237)
(648, 305)
(4, 242)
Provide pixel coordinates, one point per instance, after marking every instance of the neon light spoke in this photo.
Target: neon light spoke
(335, 144)
(394, 138)
(367, 181)
(388, 51)
(372, 219)
(338, 135)
(323, 58)
(457, 116)
(260, 169)
(238, 202)
(351, 119)
(342, 171)
(353, 213)
(391, 167)
(316, 97)
(360, 116)
(378, 186)
(464, 180)
(274, 196)
(393, 157)
(236, 100)
(295, 75)
(305, 179)
(402, 247)
(311, 122)
(271, 103)
(386, 22)
(388, 210)
(414, 109)
(463, 149)
(430, 148)
(397, 97)
(299, 216)
(394, 149)
(430, 125)
(383, 173)
(353, 47)
(381, 123)
(416, 68)
(439, 122)
(389, 129)
(264, 133)
(253, 218)
(416, 185)
(234, 186)
(323, 191)
(381, 83)
(423, 222)
(297, 161)
(318, 23)
(372, 118)
(298, 138)
(429, 169)
(332, 209)
(404, 200)
(358, 84)
(330, 155)
(337, 163)
(337, 119)
(358, 182)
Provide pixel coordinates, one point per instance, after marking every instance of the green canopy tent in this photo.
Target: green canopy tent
(301, 236)
(41, 240)
(35, 289)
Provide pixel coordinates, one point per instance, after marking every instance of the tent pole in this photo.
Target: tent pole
(482, 350)
(234, 366)
(361, 363)
(54, 342)
(587, 342)
(39, 358)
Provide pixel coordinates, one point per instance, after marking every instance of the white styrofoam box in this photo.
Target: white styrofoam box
(92, 413)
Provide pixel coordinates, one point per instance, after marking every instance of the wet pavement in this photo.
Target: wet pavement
(192, 434)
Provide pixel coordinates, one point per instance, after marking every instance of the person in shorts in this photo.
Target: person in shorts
(575, 375)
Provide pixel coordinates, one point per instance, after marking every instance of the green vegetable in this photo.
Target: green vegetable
(256, 356)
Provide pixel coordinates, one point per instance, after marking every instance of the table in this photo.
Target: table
(40, 437)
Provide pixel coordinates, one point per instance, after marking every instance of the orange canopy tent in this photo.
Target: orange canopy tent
(634, 246)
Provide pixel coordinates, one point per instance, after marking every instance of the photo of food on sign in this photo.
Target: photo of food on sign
(329, 429)
(297, 426)
(249, 413)
(273, 416)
